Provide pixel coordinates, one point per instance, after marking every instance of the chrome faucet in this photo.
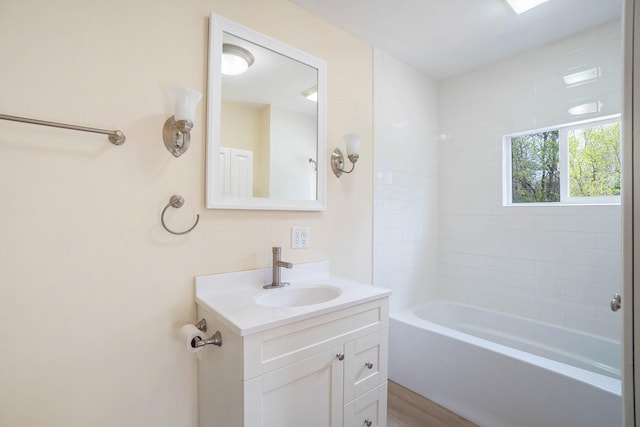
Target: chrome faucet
(277, 264)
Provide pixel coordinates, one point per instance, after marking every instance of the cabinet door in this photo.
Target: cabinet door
(369, 410)
(307, 393)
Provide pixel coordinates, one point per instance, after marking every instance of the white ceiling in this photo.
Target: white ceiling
(443, 38)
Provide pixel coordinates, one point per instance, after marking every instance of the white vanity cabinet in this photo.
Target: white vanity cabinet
(328, 370)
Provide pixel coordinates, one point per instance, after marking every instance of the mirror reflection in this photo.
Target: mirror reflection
(266, 122)
(268, 130)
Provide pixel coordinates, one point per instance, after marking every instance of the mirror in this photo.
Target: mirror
(266, 139)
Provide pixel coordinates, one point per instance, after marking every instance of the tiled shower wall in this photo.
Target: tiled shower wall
(406, 182)
(558, 264)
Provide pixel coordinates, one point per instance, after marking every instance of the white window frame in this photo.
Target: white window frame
(565, 199)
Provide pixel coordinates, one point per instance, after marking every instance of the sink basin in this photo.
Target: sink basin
(297, 297)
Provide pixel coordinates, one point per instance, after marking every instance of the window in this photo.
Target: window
(569, 164)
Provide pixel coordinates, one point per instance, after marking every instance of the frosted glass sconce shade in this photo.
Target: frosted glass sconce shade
(352, 141)
(177, 129)
(185, 101)
(235, 59)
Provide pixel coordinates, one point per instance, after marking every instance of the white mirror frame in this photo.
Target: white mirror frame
(214, 200)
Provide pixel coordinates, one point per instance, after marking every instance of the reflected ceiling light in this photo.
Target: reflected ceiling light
(235, 59)
(586, 108)
(521, 6)
(311, 94)
(582, 76)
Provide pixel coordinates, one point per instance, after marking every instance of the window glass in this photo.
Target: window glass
(594, 161)
(534, 162)
(567, 164)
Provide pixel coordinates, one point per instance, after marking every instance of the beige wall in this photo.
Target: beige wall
(243, 127)
(92, 289)
(262, 163)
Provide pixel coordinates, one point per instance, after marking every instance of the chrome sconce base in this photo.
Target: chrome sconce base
(177, 135)
(337, 162)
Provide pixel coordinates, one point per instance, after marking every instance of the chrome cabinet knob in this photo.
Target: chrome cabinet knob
(340, 356)
(369, 365)
(368, 422)
(616, 302)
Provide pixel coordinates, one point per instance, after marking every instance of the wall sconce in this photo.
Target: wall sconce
(352, 140)
(177, 129)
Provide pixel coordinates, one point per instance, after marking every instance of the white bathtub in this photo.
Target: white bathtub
(499, 370)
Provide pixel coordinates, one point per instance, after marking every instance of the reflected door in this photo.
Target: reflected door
(236, 167)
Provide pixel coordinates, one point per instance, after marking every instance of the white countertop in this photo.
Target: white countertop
(232, 296)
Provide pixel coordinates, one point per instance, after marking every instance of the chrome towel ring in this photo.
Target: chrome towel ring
(176, 202)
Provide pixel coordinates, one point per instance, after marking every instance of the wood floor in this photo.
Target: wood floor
(408, 409)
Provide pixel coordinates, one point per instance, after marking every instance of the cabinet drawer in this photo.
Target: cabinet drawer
(281, 346)
(368, 410)
(365, 364)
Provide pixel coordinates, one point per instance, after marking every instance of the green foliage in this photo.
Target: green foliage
(594, 161)
(594, 164)
(534, 165)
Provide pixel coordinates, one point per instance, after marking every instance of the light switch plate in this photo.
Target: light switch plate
(299, 237)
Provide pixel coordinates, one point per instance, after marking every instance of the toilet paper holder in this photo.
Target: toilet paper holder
(215, 339)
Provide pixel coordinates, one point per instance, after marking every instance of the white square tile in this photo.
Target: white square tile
(554, 264)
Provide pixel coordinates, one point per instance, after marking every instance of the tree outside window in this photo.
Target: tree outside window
(594, 161)
(534, 161)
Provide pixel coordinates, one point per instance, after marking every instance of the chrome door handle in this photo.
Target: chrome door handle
(368, 422)
(340, 356)
(369, 365)
(616, 302)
